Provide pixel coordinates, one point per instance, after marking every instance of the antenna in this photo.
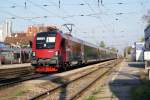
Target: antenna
(69, 26)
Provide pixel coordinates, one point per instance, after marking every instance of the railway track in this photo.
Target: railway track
(72, 89)
(5, 83)
(15, 72)
(13, 76)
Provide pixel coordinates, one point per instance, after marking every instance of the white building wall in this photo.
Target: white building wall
(139, 51)
(5, 30)
(1, 36)
(139, 55)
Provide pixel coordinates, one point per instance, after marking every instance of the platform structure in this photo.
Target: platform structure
(147, 62)
(120, 82)
(10, 66)
(147, 68)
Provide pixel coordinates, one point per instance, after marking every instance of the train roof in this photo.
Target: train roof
(70, 37)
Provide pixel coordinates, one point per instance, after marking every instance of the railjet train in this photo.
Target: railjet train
(55, 51)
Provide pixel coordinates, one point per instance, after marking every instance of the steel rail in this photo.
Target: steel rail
(67, 83)
(5, 83)
(78, 94)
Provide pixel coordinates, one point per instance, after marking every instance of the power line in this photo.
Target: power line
(14, 16)
(37, 17)
(48, 11)
(68, 16)
(44, 9)
(59, 3)
(100, 2)
(99, 17)
(25, 4)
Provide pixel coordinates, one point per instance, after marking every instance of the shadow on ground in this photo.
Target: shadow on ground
(122, 85)
(121, 88)
(63, 91)
(136, 64)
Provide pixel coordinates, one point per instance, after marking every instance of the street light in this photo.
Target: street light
(20, 60)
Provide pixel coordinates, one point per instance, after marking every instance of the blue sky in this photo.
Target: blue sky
(99, 23)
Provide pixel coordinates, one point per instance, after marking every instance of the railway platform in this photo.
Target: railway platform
(120, 82)
(14, 70)
(10, 66)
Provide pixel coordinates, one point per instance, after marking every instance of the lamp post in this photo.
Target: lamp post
(20, 59)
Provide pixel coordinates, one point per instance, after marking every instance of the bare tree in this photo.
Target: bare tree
(146, 17)
(102, 44)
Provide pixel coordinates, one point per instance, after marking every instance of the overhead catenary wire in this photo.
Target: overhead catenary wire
(101, 3)
(14, 16)
(46, 10)
(107, 15)
(68, 16)
(99, 17)
(64, 18)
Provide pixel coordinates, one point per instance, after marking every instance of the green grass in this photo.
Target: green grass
(89, 98)
(58, 80)
(92, 96)
(14, 95)
(141, 92)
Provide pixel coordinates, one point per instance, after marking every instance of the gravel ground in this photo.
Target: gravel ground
(27, 89)
(98, 86)
(116, 86)
(68, 91)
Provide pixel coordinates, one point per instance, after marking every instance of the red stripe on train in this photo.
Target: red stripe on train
(46, 69)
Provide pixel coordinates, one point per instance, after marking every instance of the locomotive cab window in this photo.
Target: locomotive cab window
(46, 40)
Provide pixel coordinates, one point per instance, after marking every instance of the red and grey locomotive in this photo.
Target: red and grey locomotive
(54, 51)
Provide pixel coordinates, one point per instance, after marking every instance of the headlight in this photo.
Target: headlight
(56, 53)
(33, 54)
